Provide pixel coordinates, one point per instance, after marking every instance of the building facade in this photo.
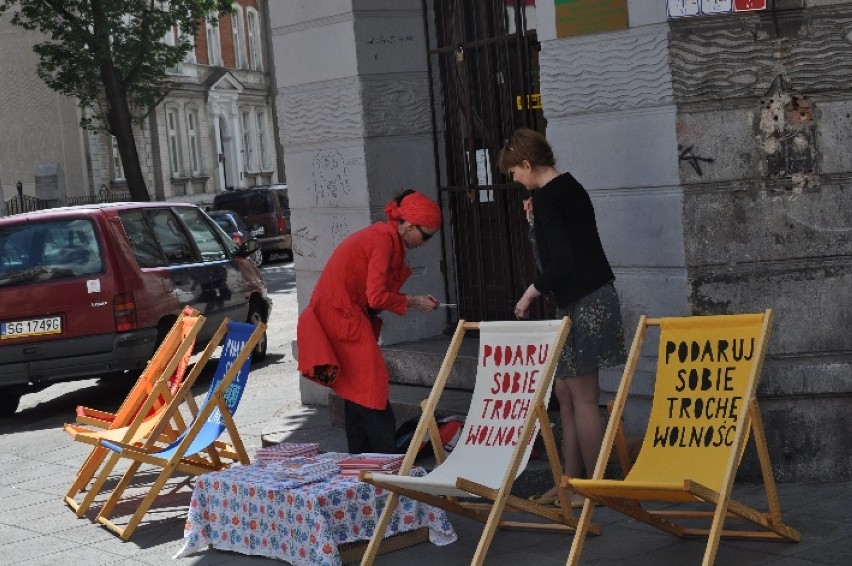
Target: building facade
(715, 148)
(214, 130)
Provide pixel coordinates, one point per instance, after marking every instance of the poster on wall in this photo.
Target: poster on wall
(681, 8)
(717, 6)
(580, 17)
(749, 5)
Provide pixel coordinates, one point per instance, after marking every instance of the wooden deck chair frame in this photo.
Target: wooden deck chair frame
(627, 498)
(217, 455)
(501, 500)
(134, 420)
(142, 388)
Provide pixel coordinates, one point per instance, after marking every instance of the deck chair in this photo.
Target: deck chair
(703, 410)
(152, 372)
(141, 410)
(508, 408)
(198, 450)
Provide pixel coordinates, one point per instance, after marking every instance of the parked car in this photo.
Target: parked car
(266, 211)
(233, 225)
(91, 290)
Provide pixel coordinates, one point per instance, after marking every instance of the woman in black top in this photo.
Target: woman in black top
(573, 268)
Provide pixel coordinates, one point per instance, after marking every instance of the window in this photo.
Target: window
(169, 39)
(194, 142)
(248, 146)
(117, 167)
(203, 233)
(239, 42)
(48, 251)
(262, 146)
(254, 40)
(174, 142)
(142, 239)
(171, 236)
(214, 53)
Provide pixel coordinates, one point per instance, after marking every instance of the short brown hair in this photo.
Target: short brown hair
(525, 145)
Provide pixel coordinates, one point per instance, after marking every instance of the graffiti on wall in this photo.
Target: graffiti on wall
(330, 181)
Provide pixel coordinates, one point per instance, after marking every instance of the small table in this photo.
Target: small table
(246, 509)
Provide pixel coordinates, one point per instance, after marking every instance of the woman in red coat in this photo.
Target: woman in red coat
(339, 329)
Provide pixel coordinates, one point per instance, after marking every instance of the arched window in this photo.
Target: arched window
(117, 167)
(194, 140)
(173, 132)
(248, 145)
(262, 142)
(254, 43)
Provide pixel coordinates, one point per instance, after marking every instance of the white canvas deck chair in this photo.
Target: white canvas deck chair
(508, 408)
(702, 413)
(198, 450)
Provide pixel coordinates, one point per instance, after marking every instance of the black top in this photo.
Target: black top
(572, 259)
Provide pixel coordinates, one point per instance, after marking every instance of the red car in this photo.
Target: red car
(90, 290)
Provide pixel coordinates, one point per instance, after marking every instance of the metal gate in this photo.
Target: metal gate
(485, 64)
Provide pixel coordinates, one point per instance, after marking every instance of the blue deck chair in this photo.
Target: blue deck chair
(198, 450)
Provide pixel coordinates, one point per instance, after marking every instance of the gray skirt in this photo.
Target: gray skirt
(596, 338)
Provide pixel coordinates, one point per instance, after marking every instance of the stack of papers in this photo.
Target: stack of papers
(285, 450)
(303, 470)
(374, 462)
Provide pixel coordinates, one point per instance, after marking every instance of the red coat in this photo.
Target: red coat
(366, 270)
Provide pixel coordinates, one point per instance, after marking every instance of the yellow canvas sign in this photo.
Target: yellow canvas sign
(579, 17)
(702, 378)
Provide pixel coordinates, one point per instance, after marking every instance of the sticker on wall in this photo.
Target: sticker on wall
(681, 8)
(749, 5)
(716, 6)
(579, 17)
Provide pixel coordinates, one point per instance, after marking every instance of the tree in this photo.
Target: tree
(112, 56)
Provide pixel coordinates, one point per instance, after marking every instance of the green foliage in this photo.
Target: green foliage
(88, 43)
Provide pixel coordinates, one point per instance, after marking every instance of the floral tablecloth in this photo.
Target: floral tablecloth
(246, 509)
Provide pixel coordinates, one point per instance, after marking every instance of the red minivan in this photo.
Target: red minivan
(90, 290)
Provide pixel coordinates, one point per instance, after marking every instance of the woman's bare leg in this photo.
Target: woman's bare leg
(588, 427)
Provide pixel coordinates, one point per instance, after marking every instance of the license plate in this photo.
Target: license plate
(33, 327)
(259, 231)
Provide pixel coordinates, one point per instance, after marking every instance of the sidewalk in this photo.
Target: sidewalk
(36, 528)
(821, 512)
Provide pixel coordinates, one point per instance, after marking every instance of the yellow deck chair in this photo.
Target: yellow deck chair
(702, 413)
(508, 407)
(141, 410)
(198, 449)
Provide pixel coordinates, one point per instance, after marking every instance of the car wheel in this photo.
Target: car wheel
(257, 258)
(256, 316)
(10, 397)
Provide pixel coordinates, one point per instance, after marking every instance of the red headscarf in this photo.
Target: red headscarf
(417, 208)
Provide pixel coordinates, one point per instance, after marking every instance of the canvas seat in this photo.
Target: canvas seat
(141, 410)
(703, 411)
(199, 448)
(514, 379)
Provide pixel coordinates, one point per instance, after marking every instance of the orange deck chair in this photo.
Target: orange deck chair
(141, 410)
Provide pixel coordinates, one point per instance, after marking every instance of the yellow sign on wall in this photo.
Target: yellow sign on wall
(579, 17)
(533, 102)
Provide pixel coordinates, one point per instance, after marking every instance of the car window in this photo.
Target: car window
(142, 239)
(46, 251)
(172, 238)
(225, 223)
(282, 199)
(203, 233)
